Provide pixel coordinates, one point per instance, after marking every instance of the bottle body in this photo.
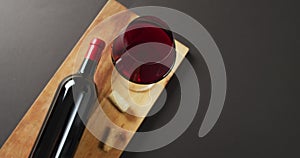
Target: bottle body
(63, 127)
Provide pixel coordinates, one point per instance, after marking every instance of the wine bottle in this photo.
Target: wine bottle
(63, 126)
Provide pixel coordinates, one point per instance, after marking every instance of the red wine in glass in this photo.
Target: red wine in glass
(145, 52)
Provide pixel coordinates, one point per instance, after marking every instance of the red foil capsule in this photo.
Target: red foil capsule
(95, 50)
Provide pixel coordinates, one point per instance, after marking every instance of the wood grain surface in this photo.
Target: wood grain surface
(21, 140)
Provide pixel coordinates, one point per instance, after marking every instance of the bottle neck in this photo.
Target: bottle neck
(88, 68)
(92, 58)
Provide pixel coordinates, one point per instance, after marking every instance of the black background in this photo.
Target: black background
(259, 43)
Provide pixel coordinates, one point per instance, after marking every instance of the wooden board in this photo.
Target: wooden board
(21, 140)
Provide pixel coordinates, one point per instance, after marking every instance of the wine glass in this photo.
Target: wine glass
(144, 53)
